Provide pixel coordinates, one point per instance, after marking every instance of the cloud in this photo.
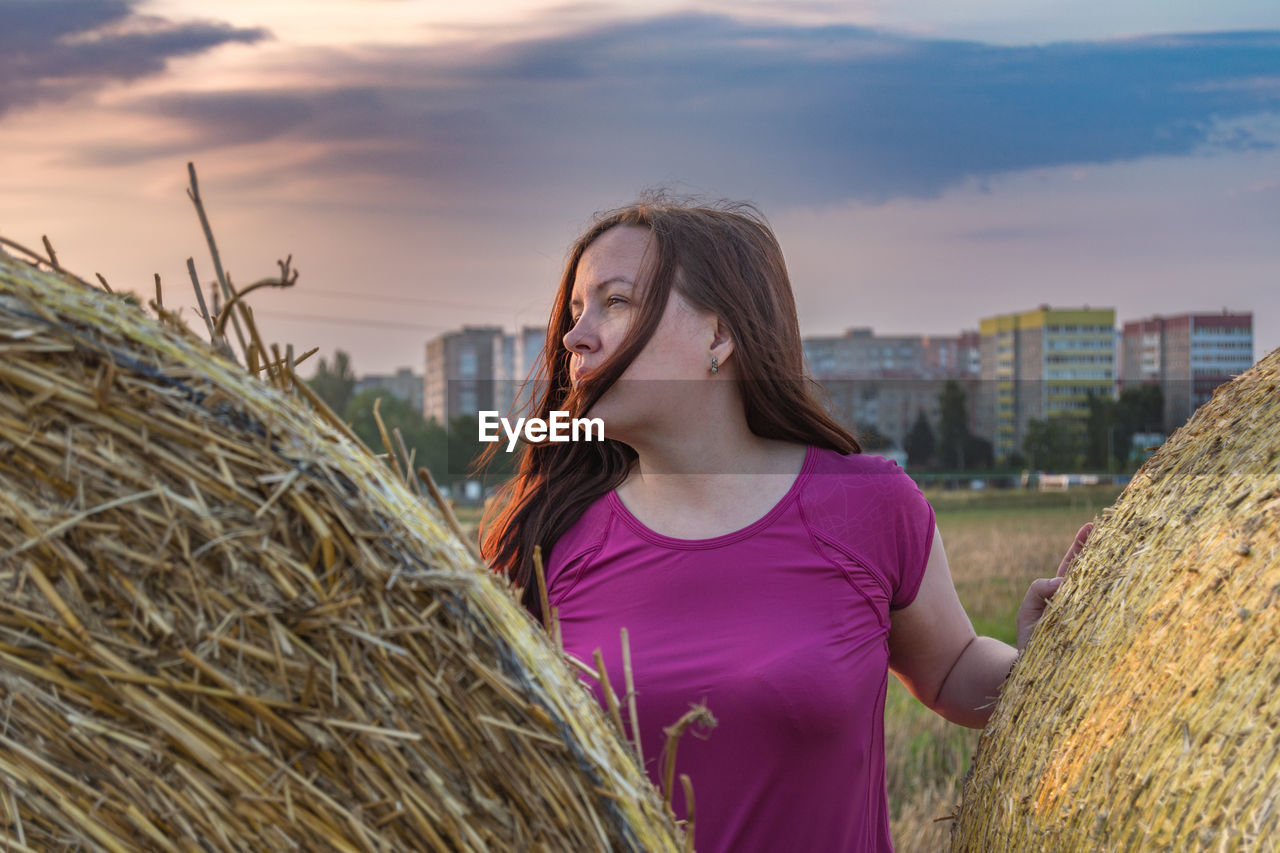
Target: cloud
(780, 113)
(53, 50)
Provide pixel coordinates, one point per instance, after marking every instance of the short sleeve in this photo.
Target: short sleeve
(913, 522)
(575, 549)
(869, 509)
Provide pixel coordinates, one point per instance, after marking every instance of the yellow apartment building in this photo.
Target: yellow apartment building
(1042, 364)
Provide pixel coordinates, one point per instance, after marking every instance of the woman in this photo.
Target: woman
(760, 563)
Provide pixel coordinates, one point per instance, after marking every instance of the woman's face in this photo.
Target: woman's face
(607, 292)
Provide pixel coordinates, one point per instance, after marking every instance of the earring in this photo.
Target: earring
(715, 364)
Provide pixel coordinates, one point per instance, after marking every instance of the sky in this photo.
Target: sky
(924, 164)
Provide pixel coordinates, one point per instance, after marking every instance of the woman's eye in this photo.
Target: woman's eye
(616, 300)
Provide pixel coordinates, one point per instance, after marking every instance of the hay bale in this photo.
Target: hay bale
(224, 626)
(1144, 714)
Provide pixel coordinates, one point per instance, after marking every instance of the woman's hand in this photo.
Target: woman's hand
(1043, 589)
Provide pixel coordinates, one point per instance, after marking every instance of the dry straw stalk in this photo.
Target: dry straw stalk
(1144, 714)
(226, 626)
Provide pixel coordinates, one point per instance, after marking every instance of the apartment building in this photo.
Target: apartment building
(478, 368)
(404, 383)
(953, 356)
(1042, 364)
(884, 382)
(861, 353)
(1188, 355)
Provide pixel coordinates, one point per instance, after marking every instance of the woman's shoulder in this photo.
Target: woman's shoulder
(868, 509)
(859, 488)
(833, 462)
(584, 536)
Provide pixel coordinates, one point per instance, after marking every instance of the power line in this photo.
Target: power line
(351, 321)
(396, 300)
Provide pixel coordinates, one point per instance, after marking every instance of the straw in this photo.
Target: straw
(226, 626)
(1144, 714)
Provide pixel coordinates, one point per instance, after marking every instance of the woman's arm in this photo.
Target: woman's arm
(936, 653)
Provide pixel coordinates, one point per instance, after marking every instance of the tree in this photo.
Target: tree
(953, 428)
(1139, 409)
(978, 452)
(425, 440)
(1111, 424)
(1142, 408)
(920, 442)
(1053, 445)
(334, 386)
(465, 447)
(1099, 429)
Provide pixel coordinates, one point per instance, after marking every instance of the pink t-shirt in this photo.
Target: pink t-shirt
(780, 628)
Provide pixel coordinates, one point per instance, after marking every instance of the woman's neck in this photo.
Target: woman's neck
(725, 449)
(706, 484)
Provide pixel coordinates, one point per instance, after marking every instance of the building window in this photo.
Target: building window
(468, 364)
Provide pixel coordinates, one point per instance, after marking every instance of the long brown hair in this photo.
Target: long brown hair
(724, 259)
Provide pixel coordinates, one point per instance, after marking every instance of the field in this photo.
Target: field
(997, 542)
(995, 548)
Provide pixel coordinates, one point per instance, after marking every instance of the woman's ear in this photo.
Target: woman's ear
(721, 342)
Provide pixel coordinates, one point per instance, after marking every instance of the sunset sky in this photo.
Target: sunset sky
(924, 164)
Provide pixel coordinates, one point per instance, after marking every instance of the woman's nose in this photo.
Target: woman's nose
(581, 338)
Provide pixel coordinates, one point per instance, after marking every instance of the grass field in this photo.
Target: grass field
(997, 542)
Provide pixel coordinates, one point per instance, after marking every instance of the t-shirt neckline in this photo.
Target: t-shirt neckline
(639, 528)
